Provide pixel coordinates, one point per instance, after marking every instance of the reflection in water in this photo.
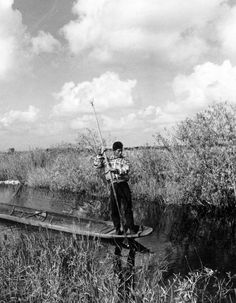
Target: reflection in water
(191, 237)
(125, 274)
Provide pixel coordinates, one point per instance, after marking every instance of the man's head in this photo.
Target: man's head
(117, 148)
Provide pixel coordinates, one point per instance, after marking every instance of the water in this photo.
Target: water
(187, 238)
(192, 237)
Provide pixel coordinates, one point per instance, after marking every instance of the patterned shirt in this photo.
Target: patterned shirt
(120, 164)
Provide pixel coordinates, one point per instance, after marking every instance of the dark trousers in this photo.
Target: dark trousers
(123, 194)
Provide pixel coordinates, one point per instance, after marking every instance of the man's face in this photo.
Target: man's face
(118, 152)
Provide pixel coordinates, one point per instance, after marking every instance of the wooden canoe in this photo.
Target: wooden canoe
(65, 222)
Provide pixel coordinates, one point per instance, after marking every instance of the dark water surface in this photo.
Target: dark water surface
(187, 238)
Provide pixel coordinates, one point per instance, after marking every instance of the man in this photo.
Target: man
(117, 171)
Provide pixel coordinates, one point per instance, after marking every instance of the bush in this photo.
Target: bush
(201, 157)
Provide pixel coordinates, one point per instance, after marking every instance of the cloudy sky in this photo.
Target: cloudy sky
(146, 64)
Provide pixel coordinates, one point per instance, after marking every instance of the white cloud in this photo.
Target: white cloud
(17, 47)
(13, 38)
(44, 42)
(136, 120)
(130, 121)
(85, 121)
(49, 127)
(140, 120)
(148, 111)
(173, 29)
(127, 122)
(16, 116)
(107, 91)
(6, 59)
(209, 82)
(226, 30)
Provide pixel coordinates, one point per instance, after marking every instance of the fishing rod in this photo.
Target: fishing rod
(109, 171)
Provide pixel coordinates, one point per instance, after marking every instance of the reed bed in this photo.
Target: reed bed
(44, 267)
(194, 164)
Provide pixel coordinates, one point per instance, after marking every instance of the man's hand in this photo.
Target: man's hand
(102, 150)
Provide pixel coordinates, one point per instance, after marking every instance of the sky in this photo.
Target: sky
(146, 64)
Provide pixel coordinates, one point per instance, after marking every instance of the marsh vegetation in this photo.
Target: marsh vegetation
(41, 267)
(196, 163)
(192, 167)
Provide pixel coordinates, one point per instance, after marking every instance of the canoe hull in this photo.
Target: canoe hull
(65, 222)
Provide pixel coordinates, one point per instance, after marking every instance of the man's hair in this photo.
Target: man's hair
(117, 145)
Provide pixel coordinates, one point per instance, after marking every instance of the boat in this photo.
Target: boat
(66, 223)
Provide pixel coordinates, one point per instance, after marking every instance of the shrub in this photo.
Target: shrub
(202, 156)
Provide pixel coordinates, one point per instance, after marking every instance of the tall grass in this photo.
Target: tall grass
(72, 170)
(66, 169)
(196, 163)
(49, 268)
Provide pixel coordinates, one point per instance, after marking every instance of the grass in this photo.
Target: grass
(196, 165)
(67, 170)
(72, 170)
(44, 267)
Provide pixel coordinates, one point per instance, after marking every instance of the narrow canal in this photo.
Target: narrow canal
(187, 238)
